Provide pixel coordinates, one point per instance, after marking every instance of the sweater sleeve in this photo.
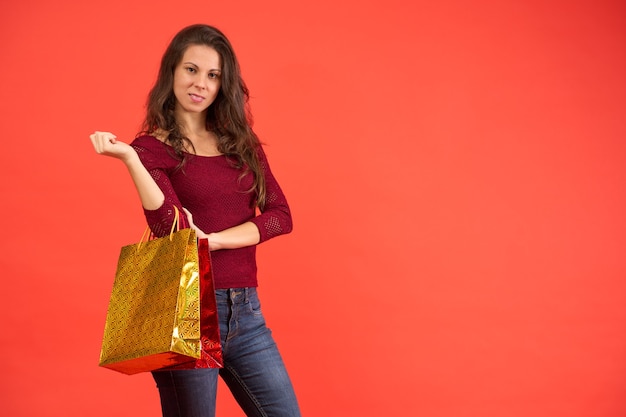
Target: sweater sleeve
(159, 220)
(275, 217)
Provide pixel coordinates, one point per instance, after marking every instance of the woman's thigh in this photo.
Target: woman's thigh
(253, 367)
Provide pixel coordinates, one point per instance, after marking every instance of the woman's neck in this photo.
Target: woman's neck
(192, 124)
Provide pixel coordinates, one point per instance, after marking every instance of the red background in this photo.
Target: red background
(456, 170)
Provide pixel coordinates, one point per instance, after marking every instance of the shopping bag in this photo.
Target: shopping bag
(154, 315)
(211, 351)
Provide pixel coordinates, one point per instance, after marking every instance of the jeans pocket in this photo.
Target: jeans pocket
(254, 304)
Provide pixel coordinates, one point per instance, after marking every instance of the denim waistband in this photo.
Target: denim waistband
(236, 295)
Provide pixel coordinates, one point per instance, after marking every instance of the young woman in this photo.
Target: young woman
(198, 152)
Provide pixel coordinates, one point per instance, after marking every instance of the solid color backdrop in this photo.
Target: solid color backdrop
(456, 171)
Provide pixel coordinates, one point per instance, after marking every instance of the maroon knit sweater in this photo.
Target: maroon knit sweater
(210, 188)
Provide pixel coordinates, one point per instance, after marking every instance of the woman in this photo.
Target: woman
(198, 152)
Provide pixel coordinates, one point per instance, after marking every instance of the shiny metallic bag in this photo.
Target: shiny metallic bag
(154, 316)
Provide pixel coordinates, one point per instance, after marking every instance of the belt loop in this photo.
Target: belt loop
(247, 299)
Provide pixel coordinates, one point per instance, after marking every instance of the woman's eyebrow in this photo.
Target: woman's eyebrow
(191, 63)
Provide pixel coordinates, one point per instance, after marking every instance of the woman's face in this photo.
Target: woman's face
(197, 79)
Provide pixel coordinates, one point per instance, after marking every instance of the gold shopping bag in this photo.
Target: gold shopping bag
(153, 319)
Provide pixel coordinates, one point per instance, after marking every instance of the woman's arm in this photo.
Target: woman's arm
(106, 143)
(274, 220)
(246, 234)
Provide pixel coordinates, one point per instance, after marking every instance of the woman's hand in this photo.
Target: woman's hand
(199, 233)
(106, 143)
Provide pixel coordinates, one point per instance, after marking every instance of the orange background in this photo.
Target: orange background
(456, 171)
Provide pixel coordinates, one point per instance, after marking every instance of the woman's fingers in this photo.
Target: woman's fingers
(102, 140)
(189, 218)
(199, 233)
(105, 143)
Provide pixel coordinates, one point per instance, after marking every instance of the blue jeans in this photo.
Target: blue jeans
(253, 368)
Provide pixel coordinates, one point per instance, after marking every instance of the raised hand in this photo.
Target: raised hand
(106, 143)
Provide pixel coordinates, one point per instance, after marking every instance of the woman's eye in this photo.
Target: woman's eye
(213, 75)
(190, 69)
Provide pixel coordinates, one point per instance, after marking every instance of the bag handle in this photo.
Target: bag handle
(147, 234)
(176, 222)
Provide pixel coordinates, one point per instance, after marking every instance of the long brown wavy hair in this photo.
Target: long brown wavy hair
(228, 116)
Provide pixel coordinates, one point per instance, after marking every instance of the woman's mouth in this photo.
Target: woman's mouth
(196, 98)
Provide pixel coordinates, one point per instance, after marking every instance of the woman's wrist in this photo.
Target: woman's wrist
(214, 243)
(130, 158)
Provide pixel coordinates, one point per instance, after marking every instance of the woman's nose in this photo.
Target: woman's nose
(200, 82)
